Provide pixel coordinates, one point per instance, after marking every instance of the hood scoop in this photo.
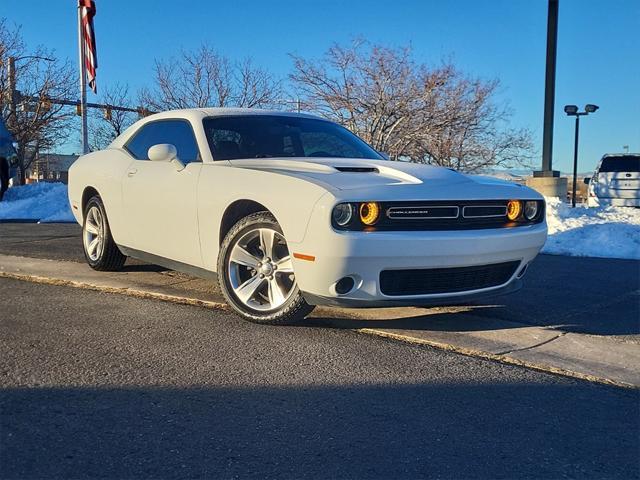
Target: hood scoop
(357, 169)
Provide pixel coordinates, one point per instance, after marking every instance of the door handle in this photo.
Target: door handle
(132, 172)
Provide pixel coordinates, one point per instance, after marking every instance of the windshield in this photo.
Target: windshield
(264, 136)
(622, 163)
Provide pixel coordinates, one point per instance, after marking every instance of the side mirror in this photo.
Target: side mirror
(587, 180)
(165, 152)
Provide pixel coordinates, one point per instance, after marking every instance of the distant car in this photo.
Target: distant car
(616, 181)
(291, 211)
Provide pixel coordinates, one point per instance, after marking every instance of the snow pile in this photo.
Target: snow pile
(44, 202)
(612, 232)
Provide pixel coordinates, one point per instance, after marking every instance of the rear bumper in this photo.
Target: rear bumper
(613, 202)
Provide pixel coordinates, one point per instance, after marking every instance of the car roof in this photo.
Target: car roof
(223, 112)
(621, 155)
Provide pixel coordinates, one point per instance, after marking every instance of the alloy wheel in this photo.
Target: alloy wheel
(93, 235)
(260, 270)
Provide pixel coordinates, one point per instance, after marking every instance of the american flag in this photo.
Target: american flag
(87, 12)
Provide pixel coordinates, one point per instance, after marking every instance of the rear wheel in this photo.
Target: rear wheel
(100, 251)
(255, 272)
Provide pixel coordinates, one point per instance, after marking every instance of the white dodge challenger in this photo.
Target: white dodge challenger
(289, 211)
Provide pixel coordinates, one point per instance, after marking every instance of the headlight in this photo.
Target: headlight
(530, 210)
(369, 213)
(514, 207)
(342, 214)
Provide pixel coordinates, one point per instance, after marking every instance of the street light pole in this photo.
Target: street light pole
(572, 111)
(14, 96)
(575, 162)
(11, 75)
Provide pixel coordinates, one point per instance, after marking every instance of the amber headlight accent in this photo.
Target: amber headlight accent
(514, 208)
(369, 213)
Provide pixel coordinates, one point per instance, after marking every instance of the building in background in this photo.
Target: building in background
(50, 167)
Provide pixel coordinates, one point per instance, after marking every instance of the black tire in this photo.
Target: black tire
(108, 258)
(294, 309)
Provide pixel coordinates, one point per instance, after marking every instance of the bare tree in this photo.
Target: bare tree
(105, 126)
(35, 125)
(409, 110)
(204, 78)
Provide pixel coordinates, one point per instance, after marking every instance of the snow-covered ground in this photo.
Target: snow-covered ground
(43, 202)
(612, 232)
(586, 232)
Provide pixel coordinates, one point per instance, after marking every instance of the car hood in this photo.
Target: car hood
(341, 174)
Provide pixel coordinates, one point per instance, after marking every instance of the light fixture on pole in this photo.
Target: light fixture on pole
(572, 111)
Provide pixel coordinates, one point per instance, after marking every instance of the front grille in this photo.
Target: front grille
(484, 211)
(445, 280)
(449, 215)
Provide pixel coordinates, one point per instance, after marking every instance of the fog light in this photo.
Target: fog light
(514, 207)
(369, 213)
(530, 210)
(345, 285)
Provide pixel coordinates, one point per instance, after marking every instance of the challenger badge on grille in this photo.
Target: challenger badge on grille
(422, 212)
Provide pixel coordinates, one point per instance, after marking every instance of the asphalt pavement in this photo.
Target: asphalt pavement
(102, 385)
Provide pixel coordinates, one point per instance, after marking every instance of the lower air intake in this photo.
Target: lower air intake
(445, 280)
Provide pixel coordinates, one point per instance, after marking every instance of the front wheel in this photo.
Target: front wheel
(255, 272)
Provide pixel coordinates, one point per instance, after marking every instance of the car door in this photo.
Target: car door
(160, 198)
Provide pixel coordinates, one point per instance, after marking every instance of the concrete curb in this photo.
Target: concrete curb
(586, 357)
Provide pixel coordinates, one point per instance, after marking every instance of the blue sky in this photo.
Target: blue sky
(598, 47)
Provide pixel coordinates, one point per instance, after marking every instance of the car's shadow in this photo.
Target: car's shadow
(135, 267)
(440, 319)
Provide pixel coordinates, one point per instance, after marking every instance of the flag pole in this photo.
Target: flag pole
(83, 83)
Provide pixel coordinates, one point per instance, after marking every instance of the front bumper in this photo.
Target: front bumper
(423, 301)
(363, 255)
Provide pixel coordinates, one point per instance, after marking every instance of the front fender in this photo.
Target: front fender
(291, 200)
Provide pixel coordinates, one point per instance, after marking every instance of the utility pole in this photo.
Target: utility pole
(547, 181)
(550, 92)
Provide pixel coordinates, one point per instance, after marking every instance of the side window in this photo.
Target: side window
(225, 144)
(176, 132)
